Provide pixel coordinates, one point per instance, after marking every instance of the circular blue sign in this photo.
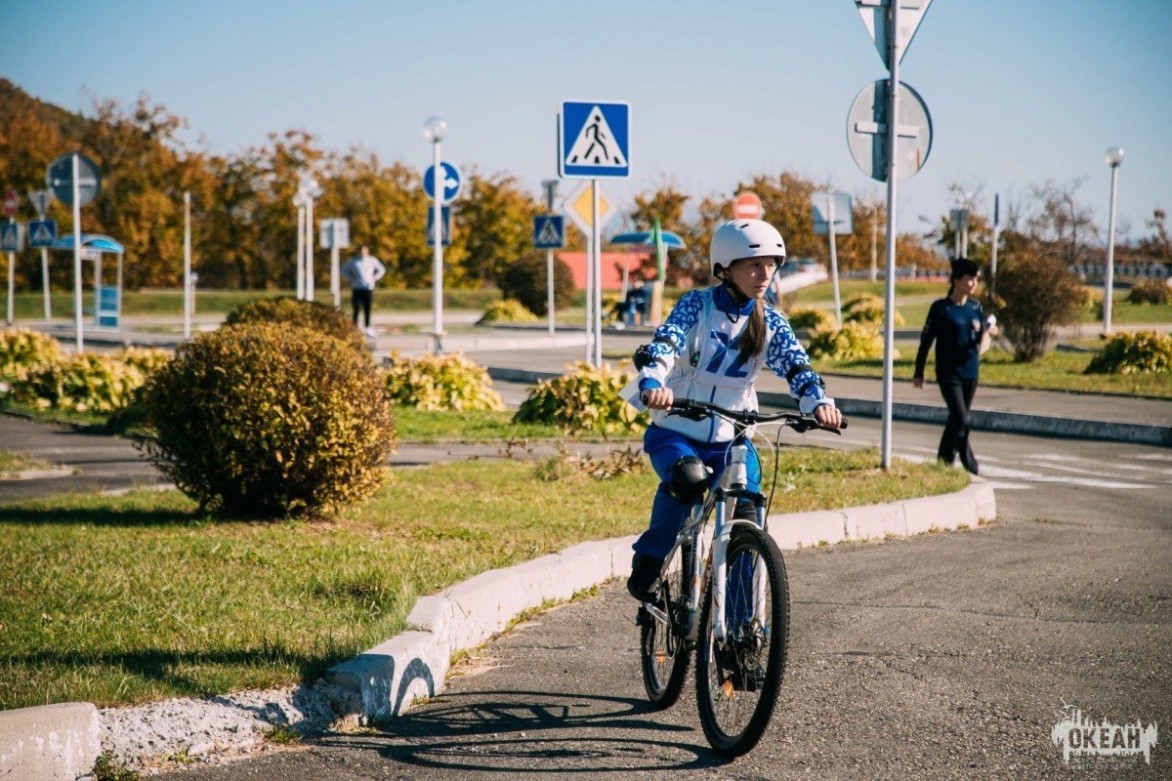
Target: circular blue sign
(59, 179)
(451, 182)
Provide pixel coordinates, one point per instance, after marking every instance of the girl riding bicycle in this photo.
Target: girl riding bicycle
(711, 348)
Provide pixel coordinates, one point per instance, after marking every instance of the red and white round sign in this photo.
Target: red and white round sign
(747, 206)
(11, 203)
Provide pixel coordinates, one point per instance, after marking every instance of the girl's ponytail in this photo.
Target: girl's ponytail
(752, 339)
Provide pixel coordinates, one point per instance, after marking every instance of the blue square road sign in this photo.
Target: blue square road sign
(549, 231)
(42, 233)
(594, 140)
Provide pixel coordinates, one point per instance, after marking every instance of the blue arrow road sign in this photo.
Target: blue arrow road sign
(42, 233)
(452, 182)
(10, 237)
(447, 229)
(594, 140)
(549, 231)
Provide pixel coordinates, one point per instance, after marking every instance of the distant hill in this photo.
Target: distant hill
(14, 100)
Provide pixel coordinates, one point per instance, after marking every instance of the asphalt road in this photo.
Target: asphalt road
(945, 656)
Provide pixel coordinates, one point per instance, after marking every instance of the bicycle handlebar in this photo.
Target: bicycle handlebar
(699, 410)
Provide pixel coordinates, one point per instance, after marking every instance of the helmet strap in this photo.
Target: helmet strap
(739, 298)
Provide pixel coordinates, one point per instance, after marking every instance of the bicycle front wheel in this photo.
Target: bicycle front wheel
(662, 644)
(738, 678)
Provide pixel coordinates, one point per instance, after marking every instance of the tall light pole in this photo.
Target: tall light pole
(1114, 159)
(434, 130)
(312, 191)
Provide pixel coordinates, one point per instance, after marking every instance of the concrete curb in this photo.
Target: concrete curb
(49, 742)
(980, 420)
(414, 664)
(63, 741)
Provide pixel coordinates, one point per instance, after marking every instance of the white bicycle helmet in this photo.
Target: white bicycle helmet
(739, 239)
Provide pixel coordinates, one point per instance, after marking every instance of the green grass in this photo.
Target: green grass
(416, 425)
(18, 462)
(119, 600)
(912, 300)
(1057, 370)
(166, 302)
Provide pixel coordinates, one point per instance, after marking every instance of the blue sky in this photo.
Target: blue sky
(1019, 92)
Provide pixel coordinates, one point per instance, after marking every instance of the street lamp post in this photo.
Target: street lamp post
(434, 130)
(1114, 159)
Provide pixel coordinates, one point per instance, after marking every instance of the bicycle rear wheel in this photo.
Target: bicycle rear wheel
(662, 646)
(737, 680)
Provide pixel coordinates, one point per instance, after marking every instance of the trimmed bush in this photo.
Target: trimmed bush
(853, 342)
(1036, 292)
(811, 319)
(441, 382)
(266, 420)
(509, 310)
(305, 314)
(147, 360)
(585, 400)
(1150, 291)
(1142, 352)
(525, 280)
(867, 308)
(22, 351)
(82, 383)
(1091, 300)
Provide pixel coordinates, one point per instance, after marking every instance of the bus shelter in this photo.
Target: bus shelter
(107, 306)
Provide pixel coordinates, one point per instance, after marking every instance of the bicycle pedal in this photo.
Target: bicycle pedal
(643, 618)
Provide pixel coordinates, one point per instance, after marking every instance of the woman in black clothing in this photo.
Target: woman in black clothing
(958, 326)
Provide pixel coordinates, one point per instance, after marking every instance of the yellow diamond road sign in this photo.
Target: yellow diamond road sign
(580, 208)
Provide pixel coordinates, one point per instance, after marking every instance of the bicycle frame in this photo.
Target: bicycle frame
(721, 501)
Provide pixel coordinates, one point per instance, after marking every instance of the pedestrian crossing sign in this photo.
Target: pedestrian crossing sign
(11, 237)
(594, 140)
(42, 233)
(549, 231)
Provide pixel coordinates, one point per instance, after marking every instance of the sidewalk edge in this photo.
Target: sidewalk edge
(384, 681)
(414, 665)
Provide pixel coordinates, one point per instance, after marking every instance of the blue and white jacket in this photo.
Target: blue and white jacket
(704, 329)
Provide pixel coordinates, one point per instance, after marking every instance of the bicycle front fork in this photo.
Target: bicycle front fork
(746, 578)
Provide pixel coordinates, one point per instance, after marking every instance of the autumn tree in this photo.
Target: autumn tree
(496, 217)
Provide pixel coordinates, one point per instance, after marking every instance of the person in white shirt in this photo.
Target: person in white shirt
(711, 348)
(363, 273)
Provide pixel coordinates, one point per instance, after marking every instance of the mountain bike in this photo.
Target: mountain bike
(722, 592)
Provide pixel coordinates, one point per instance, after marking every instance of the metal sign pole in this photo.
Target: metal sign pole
(335, 279)
(549, 276)
(834, 260)
(11, 278)
(892, 180)
(77, 255)
(596, 243)
(45, 283)
(186, 265)
(551, 186)
(309, 289)
(437, 270)
(996, 229)
(300, 249)
(590, 297)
